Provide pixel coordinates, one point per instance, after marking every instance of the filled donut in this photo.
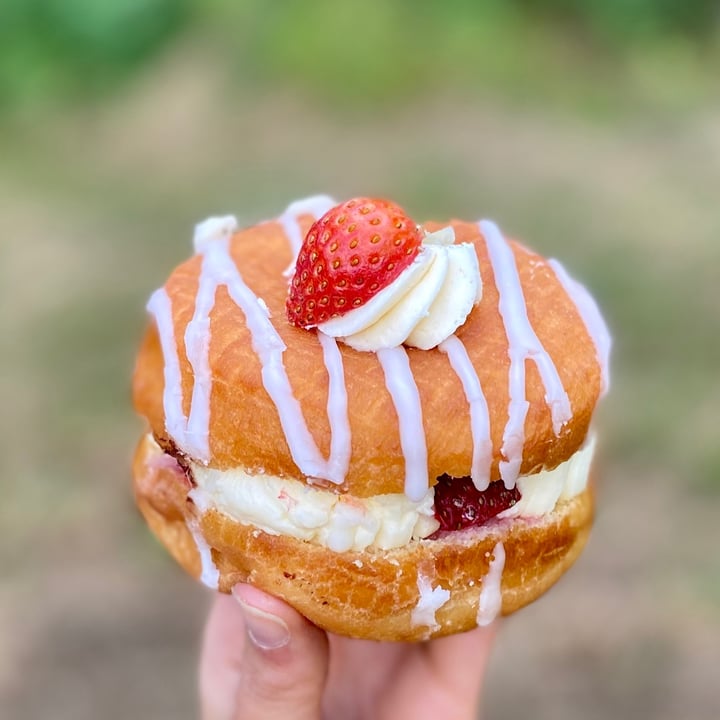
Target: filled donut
(386, 424)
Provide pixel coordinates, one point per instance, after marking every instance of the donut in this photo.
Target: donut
(386, 424)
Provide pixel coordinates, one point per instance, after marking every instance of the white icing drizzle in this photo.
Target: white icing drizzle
(209, 574)
(590, 314)
(490, 601)
(430, 600)
(212, 229)
(197, 349)
(176, 424)
(401, 385)
(479, 416)
(523, 345)
(317, 206)
(337, 411)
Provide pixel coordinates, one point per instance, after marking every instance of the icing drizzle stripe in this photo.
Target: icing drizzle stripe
(401, 385)
(479, 415)
(197, 348)
(340, 446)
(209, 573)
(176, 423)
(430, 600)
(590, 315)
(523, 345)
(490, 600)
(317, 206)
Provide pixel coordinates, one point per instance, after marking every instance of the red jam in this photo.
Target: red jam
(459, 504)
(174, 460)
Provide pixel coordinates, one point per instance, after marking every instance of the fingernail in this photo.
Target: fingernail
(266, 631)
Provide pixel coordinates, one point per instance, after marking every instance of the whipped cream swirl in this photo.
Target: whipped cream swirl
(424, 305)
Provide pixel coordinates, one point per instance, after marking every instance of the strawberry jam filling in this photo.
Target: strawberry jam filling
(181, 466)
(459, 504)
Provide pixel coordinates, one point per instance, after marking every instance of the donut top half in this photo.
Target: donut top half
(223, 376)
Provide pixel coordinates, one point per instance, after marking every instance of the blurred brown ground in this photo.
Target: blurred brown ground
(96, 622)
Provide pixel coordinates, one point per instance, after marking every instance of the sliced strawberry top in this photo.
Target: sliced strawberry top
(351, 253)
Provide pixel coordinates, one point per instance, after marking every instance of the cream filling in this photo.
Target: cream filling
(542, 491)
(282, 506)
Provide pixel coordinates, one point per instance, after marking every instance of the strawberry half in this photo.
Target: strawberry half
(351, 253)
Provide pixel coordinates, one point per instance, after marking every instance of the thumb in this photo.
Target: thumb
(275, 669)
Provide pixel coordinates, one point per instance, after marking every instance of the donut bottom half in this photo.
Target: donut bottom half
(371, 594)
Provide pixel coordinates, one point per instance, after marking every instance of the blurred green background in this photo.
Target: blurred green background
(589, 129)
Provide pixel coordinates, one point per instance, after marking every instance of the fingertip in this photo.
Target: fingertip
(259, 608)
(264, 623)
(284, 666)
(250, 596)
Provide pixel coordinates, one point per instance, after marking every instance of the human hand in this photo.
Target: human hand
(261, 660)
